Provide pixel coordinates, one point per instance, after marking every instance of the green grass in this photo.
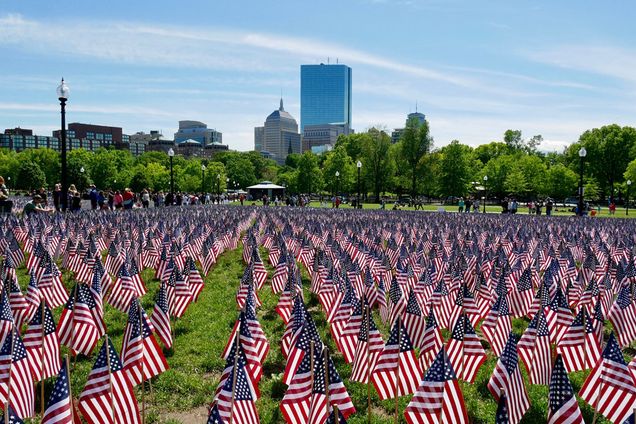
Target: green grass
(200, 336)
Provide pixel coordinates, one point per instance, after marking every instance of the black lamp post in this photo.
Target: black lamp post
(62, 95)
(485, 192)
(218, 187)
(171, 155)
(203, 179)
(582, 154)
(629, 185)
(359, 165)
(337, 182)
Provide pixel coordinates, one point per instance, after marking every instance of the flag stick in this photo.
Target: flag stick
(110, 379)
(335, 414)
(368, 313)
(311, 359)
(73, 324)
(42, 361)
(141, 335)
(236, 356)
(6, 408)
(397, 372)
(326, 364)
(68, 382)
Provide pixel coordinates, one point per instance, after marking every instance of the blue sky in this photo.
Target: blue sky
(474, 68)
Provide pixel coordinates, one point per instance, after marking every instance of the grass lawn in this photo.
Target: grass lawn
(180, 394)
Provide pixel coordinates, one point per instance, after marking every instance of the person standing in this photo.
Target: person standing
(145, 199)
(57, 196)
(128, 199)
(93, 195)
(460, 204)
(548, 207)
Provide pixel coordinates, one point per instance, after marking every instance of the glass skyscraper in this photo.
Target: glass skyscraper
(325, 95)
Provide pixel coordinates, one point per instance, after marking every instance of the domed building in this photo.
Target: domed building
(279, 136)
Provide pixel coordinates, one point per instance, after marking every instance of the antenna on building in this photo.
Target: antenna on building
(336, 61)
(327, 60)
(416, 106)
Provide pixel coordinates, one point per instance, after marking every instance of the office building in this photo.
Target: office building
(325, 95)
(140, 141)
(197, 131)
(92, 137)
(279, 136)
(397, 133)
(322, 135)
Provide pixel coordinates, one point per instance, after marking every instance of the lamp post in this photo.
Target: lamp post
(171, 155)
(337, 183)
(485, 192)
(629, 184)
(359, 165)
(218, 187)
(582, 154)
(62, 95)
(203, 179)
(8, 183)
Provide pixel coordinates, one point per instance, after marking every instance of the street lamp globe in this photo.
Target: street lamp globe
(63, 91)
(359, 164)
(629, 182)
(170, 152)
(218, 176)
(82, 169)
(582, 152)
(337, 174)
(485, 178)
(203, 168)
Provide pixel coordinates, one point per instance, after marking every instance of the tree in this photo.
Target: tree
(454, 169)
(533, 170)
(103, 171)
(515, 183)
(533, 143)
(514, 140)
(377, 163)
(47, 159)
(486, 152)
(309, 175)
(560, 182)
(609, 151)
(414, 144)
(497, 170)
(30, 176)
(338, 161)
(292, 160)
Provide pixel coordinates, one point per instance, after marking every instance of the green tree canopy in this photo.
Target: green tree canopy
(416, 142)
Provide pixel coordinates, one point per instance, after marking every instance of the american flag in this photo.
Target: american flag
(6, 317)
(397, 302)
(97, 305)
(397, 367)
(295, 403)
(349, 335)
(194, 278)
(521, 297)
(579, 347)
(610, 388)
(439, 398)
(534, 349)
(497, 325)
(235, 398)
(15, 371)
(280, 275)
(558, 316)
(328, 391)
(108, 396)
(13, 417)
(60, 408)
(140, 354)
(414, 320)
(432, 341)
(50, 285)
(181, 296)
(41, 333)
(507, 376)
(124, 290)
(563, 407)
(77, 328)
(260, 340)
(248, 344)
(160, 317)
(33, 295)
(300, 346)
(502, 416)
(293, 325)
(623, 316)
(369, 347)
(465, 351)
(19, 306)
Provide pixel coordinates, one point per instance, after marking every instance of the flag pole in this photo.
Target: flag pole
(6, 408)
(73, 324)
(311, 359)
(368, 313)
(141, 335)
(326, 364)
(42, 360)
(68, 382)
(236, 356)
(397, 372)
(335, 414)
(110, 379)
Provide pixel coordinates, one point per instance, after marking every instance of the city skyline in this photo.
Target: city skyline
(474, 70)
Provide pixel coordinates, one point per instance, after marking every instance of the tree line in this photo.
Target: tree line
(514, 166)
